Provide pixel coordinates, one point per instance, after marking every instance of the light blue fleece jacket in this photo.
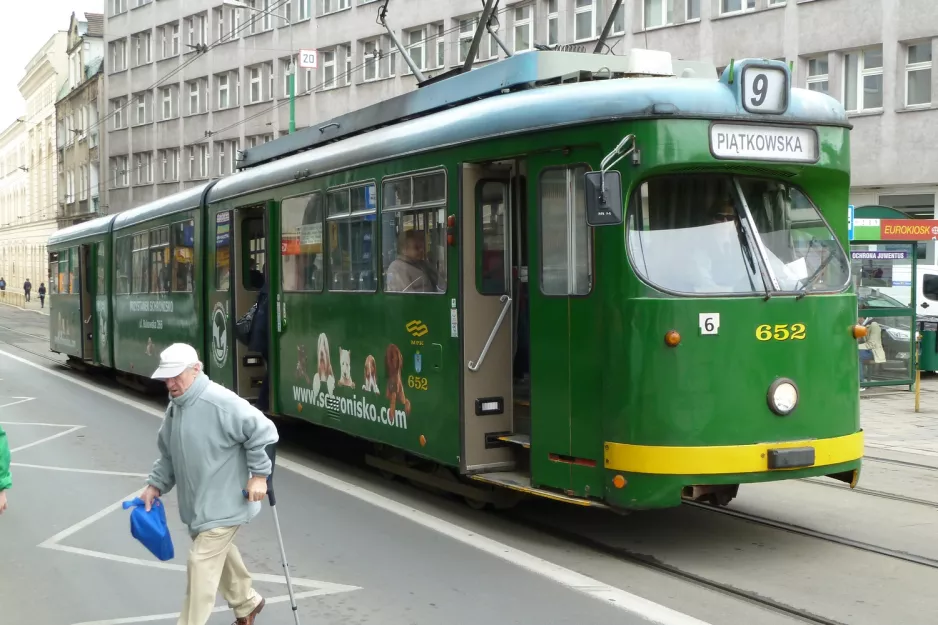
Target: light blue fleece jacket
(210, 443)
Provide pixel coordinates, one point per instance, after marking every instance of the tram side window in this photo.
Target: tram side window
(566, 244)
(101, 270)
(123, 268)
(138, 282)
(74, 281)
(351, 233)
(159, 260)
(413, 223)
(53, 273)
(183, 254)
(222, 251)
(301, 251)
(491, 237)
(253, 254)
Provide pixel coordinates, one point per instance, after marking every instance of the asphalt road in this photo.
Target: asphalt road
(68, 556)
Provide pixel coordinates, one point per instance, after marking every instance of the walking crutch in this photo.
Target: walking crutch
(272, 454)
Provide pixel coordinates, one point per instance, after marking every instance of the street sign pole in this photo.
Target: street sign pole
(292, 80)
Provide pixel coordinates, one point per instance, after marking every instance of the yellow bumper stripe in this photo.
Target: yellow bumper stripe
(725, 459)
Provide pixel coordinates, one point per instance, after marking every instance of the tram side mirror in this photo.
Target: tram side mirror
(603, 198)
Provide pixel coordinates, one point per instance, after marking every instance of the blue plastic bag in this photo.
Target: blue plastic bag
(150, 527)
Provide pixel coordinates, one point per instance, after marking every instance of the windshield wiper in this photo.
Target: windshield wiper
(814, 276)
(747, 249)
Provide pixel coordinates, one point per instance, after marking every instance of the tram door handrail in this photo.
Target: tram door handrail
(506, 300)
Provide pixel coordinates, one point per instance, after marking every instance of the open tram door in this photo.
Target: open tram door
(238, 268)
(86, 283)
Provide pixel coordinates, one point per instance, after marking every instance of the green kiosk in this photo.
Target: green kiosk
(883, 253)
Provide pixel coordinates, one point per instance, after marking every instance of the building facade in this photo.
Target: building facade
(13, 193)
(77, 112)
(181, 114)
(31, 222)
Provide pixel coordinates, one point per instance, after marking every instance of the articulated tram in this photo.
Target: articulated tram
(608, 280)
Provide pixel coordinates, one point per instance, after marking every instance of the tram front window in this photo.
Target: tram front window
(692, 234)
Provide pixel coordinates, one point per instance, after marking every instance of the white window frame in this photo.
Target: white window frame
(776, 3)
(862, 73)
(748, 6)
(303, 13)
(141, 108)
(175, 39)
(167, 97)
(329, 61)
(667, 6)
(421, 45)
(916, 67)
(440, 46)
(553, 15)
(223, 84)
(339, 5)
(369, 61)
(522, 24)
(268, 18)
(255, 81)
(234, 23)
(687, 7)
(194, 91)
(811, 79)
(577, 11)
(348, 65)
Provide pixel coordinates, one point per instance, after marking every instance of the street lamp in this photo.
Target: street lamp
(291, 71)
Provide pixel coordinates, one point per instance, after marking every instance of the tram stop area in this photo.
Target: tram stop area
(897, 298)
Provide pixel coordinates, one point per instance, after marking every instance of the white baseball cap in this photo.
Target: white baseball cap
(174, 360)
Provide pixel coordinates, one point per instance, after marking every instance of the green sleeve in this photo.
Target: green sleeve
(5, 480)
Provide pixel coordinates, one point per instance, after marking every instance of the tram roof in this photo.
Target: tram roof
(187, 199)
(90, 228)
(684, 90)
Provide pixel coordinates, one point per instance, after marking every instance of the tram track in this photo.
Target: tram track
(629, 556)
(875, 493)
(804, 531)
(901, 463)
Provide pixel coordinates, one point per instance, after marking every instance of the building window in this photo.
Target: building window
(255, 84)
(736, 6)
(285, 70)
(328, 69)
(817, 74)
(584, 25)
(304, 9)
(348, 65)
(268, 17)
(467, 29)
(370, 55)
(658, 13)
(169, 165)
(553, 20)
(524, 28)
(166, 97)
(776, 3)
(331, 6)
(175, 39)
(223, 101)
(692, 10)
(863, 79)
(918, 74)
(141, 116)
(416, 48)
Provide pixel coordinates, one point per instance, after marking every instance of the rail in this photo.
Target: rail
(498, 324)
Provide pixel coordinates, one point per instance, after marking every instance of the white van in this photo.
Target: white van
(926, 288)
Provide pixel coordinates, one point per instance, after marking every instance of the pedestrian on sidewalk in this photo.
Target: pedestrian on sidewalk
(6, 482)
(27, 287)
(42, 295)
(212, 445)
(3, 288)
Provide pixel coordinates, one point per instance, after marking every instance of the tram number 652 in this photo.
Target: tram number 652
(418, 383)
(781, 332)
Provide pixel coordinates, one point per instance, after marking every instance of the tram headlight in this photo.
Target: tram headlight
(783, 396)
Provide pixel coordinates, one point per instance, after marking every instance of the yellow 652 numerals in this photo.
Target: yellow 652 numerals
(781, 332)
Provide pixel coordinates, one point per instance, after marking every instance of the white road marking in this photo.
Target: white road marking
(71, 470)
(73, 428)
(594, 588)
(22, 400)
(159, 617)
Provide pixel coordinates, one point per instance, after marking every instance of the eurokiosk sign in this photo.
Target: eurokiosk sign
(883, 256)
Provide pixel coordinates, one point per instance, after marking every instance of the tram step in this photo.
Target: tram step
(518, 439)
(522, 482)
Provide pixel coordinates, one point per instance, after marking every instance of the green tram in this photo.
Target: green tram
(608, 280)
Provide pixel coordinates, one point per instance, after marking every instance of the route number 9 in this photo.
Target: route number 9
(764, 89)
(781, 332)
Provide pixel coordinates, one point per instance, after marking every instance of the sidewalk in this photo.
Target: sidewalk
(17, 300)
(889, 419)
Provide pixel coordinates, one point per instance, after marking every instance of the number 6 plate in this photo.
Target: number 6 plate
(709, 323)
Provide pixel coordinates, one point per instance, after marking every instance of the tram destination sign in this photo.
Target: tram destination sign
(750, 142)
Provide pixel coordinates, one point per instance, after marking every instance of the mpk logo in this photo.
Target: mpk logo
(416, 327)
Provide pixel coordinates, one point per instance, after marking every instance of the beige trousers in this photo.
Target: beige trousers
(215, 565)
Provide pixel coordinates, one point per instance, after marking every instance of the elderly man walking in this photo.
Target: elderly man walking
(212, 445)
